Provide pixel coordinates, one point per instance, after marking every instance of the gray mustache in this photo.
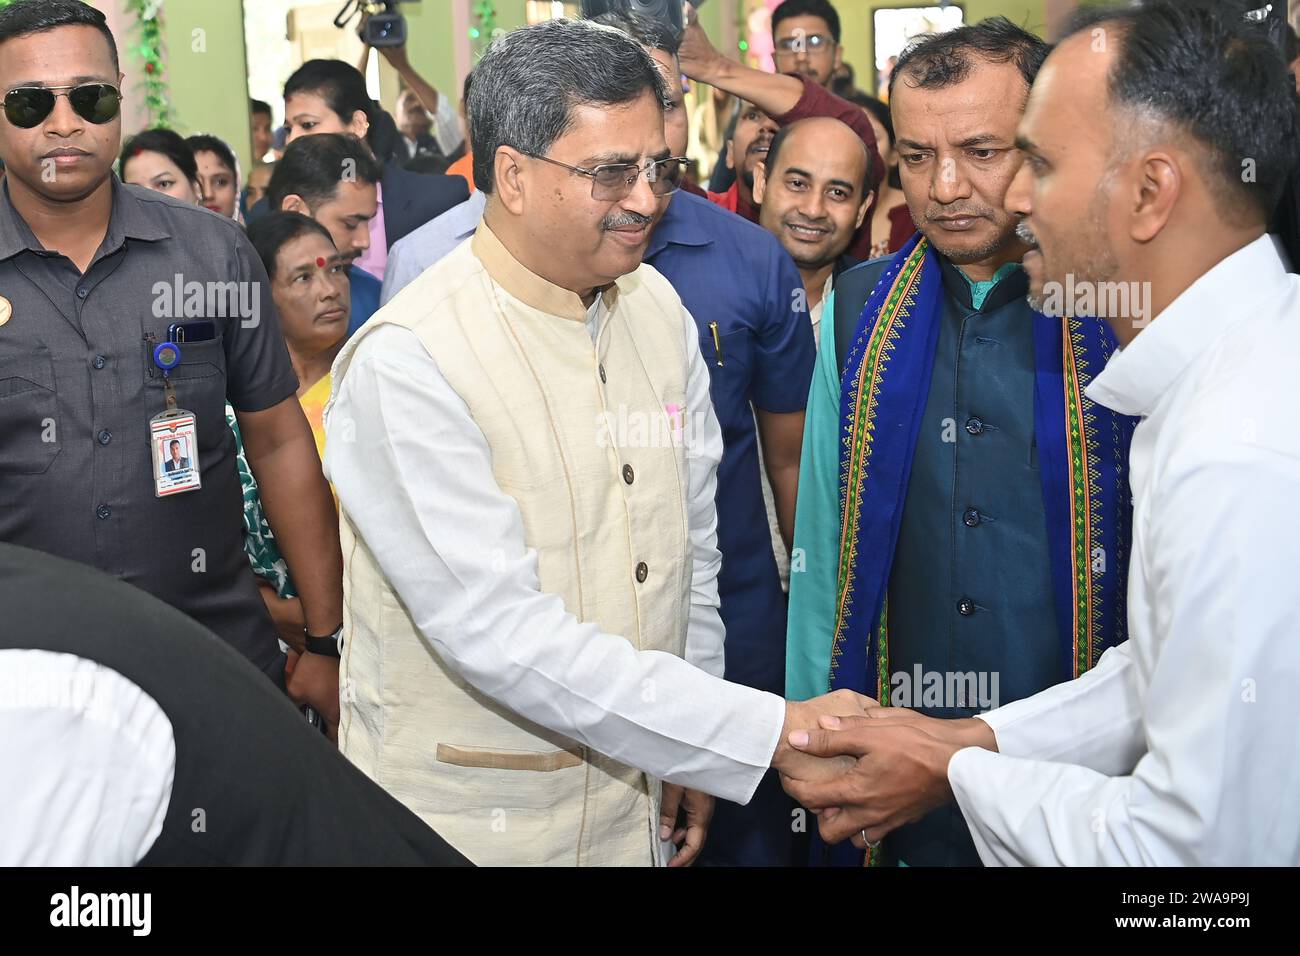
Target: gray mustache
(626, 219)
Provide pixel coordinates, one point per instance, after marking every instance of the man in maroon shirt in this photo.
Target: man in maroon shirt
(783, 98)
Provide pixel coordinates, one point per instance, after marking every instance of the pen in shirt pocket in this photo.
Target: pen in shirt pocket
(717, 341)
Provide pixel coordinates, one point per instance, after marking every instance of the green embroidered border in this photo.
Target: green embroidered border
(1080, 501)
(882, 656)
(853, 472)
(1095, 633)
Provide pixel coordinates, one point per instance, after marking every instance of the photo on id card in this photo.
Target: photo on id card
(175, 454)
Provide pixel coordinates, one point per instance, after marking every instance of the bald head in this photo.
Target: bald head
(827, 135)
(813, 190)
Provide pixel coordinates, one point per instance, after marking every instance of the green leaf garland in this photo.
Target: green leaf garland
(150, 51)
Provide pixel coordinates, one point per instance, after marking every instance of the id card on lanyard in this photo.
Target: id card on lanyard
(173, 435)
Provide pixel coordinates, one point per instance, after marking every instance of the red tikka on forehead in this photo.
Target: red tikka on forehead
(320, 262)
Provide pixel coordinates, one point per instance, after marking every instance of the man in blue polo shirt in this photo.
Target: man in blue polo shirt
(742, 289)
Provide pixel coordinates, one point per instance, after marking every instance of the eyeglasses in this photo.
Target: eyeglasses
(800, 42)
(615, 181)
(28, 106)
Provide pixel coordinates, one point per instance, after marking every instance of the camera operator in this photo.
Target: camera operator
(445, 131)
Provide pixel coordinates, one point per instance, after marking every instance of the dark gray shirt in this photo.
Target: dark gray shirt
(78, 387)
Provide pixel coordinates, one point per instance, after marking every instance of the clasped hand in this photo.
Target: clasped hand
(863, 768)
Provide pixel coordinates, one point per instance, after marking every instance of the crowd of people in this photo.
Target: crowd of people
(918, 489)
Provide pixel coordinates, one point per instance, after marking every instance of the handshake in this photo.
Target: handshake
(865, 770)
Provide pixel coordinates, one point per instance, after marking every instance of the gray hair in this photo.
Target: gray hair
(528, 81)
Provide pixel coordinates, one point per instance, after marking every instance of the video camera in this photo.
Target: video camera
(386, 27)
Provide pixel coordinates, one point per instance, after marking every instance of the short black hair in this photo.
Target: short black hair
(176, 442)
(168, 143)
(647, 31)
(207, 143)
(936, 60)
(313, 166)
(343, 89)
(808, 8)
(271, 232)
(1201, 67)
(25, 17)
(774, 148)
(259, 106)
(339, 84)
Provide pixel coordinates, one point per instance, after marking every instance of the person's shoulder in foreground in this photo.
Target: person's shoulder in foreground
(187, 718)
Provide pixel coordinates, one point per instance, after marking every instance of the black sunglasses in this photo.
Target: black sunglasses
(28, 106)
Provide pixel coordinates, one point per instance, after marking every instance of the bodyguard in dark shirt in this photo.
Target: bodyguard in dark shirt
(94, 275)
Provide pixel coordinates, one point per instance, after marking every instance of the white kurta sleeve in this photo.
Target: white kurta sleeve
(1218, 718)
(703, 438)
(415, 478)
(1095, 721)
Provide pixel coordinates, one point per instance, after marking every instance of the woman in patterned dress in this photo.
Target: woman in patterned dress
(309, 284)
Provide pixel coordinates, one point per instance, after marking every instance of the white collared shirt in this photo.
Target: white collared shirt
(1183, 745)
(417, 482)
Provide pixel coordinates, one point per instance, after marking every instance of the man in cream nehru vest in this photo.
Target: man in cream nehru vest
(524, 450)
